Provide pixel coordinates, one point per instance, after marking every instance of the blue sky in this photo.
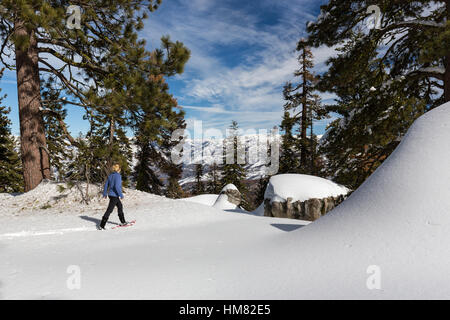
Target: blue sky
(242, 54)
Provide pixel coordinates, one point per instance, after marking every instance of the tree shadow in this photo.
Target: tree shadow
(287, 227)
(95, 220)
(62, 196)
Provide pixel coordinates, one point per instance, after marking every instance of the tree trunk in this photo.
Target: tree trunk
(447, 79)
(112, 132)
(35, 160)
(303, 160)
(447, 63)
(313, 151)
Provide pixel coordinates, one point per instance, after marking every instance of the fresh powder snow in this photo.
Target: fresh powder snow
(205, 199)
(396, 226)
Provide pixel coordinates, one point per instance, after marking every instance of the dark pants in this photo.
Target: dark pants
(113, 201)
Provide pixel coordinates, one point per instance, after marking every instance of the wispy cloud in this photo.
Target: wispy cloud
(242, 54)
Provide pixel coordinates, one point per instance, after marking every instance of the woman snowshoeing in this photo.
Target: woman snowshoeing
(113, 188)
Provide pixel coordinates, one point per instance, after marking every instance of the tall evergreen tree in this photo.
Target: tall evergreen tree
(145, 172)
(261, 190)
(384, 77)
(289, 154)
(160, 117)
(213, 185)
(301, 109)
(317, 112)
(10, 165)
(58, 146)
(233, 170)
(174, 190)
(199, 186)
(373, 121)
(109, 144)
(104, 52)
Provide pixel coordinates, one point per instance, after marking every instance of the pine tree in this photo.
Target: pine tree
(413, 37)
(10, 165)
(145, 174)
(213, 185)
(111, 54)
(160, 117)
(317, 112)
(58, 147)
(83, 166)
(289, 153)
(199, 186)
(261, 189)
(233, 171)
(109, 144)
(302, 107)
(372, 122)
(174, 190)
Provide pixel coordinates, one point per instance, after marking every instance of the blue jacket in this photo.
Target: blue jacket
(114, 184)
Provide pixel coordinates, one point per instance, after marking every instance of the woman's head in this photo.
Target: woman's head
(116, 167)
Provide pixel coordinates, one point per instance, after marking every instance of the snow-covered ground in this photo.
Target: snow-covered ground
(393, 232)
(206, 199)
(177, 249)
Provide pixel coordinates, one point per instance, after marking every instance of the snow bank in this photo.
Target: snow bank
(259, 211)
(222, 203)
(301, 187)
(388, 240)
(205, 199)
(219, 201)
(397, 223)
(58, 197)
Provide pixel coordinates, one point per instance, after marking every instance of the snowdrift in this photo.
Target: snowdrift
(56, 197)
(205, 199)
(397, 221)
(394, 232)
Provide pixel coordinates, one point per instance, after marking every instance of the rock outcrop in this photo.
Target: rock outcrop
(234, 196)
(229, 198)
(309, 210)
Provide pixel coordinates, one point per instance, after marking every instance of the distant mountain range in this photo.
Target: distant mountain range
(207, 151)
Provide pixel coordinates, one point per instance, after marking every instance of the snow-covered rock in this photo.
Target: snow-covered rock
(301, 187)
(229, 186)
(303, 197)
(229, 198)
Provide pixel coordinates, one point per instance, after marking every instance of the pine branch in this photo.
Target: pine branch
(62, 124)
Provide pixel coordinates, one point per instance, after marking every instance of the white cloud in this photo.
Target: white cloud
(237, 62)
